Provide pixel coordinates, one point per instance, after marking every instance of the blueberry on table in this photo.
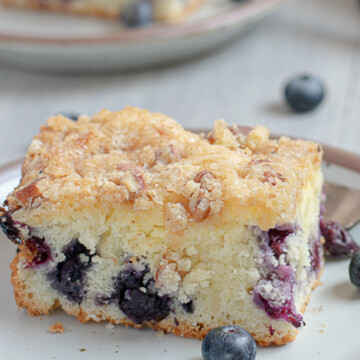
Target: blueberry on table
(354, 269)
(304, 93)
(71, 115)
(137, 14)
(229, 342)
(338, 241)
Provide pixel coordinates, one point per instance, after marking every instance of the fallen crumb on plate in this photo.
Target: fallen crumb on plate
(160, 334)
(321, 330)
(40, 317)
(82, 349)
(315, 311)
(110, 326)
(56, 328)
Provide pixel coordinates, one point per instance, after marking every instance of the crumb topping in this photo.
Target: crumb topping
(148, 160)
(56, 328)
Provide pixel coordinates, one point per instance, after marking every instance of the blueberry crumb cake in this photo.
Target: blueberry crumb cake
(162, 10)
(126, 217)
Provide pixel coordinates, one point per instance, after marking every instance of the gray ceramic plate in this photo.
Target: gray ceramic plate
(60, 43)
(331, 331)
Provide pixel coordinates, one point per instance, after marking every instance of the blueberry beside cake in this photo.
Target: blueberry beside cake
(126, 217)
(162, 10)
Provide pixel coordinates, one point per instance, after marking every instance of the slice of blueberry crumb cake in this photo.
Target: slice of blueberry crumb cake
(126, 217)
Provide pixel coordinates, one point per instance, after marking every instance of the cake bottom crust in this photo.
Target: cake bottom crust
(192, 6)
(25, 299)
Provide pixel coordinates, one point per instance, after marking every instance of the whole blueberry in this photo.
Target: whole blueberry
(338, 241)
(229, 342)
(137, 14)
(304, 93)
(354, 269)
(69, 276)
(70, 115)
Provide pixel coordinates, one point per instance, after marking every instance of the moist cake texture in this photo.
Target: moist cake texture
(127, 217)
(166, 10)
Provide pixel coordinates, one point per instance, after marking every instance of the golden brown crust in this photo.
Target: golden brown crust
(23, 298)
(97, 11)
(149, 161)
(271, 340)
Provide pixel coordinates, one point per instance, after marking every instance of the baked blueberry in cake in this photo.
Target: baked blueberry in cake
(132, 12)
(126, 217)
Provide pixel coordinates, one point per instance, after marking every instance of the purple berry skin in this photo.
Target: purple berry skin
(69, 276)
(136, 304)
(7, 225)
(273, 244)
(137, 14)
(338, 241)
(304, 93)
(354, 269)
(41, 250)
(277, 240)
(188, 307)
(229, 342)
(136, 295)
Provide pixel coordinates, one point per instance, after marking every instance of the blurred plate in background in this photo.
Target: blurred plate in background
(52, 42)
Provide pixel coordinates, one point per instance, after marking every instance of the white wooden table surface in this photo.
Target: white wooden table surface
(241, 83)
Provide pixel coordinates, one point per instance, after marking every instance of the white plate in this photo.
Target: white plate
(331, 331)
(59, 43)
